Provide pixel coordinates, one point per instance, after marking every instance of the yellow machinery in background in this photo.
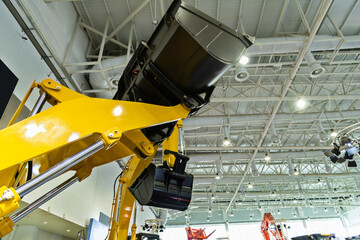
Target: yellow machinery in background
(169, 77)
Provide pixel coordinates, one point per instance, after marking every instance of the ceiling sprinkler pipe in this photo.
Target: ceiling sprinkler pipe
(316, 70)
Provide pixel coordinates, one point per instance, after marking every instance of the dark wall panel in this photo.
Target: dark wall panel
(8, 81)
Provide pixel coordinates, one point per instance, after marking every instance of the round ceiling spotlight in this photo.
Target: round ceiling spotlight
(241, 74)
(155, 21)
(333, 133)
(115, 82)
(316, 70)
(226, 142)
(244, 60)
(301, 104)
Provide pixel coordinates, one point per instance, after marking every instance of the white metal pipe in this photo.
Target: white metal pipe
(264, 178)
(280, 45)
(249, 148)
(230, 157)
(275, 98)
(202, 121)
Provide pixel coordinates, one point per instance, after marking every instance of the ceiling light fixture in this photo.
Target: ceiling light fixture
(226, 141)
(231, 214)
(294, 200)
(319, 181)
(326, 210)
(273, 193)
(275, 139)
(316, 70)
(301, 103)
(250, 186)
(333, 133)
(278, 212)
(218, 174)
(244, 60)
(267, 157)
(212, 196)
(296, 172)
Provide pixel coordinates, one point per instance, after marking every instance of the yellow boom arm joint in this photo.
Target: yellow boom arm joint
(9, 200)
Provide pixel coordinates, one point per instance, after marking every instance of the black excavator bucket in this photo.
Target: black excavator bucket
(180, 63)
(163, 187)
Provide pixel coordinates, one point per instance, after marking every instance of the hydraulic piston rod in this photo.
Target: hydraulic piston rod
(59, 168)
(38, 105)
(43, 199)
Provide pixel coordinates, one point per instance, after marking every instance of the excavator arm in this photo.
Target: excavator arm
(169, 77)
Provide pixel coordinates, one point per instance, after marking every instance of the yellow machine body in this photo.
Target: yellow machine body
(73, 123)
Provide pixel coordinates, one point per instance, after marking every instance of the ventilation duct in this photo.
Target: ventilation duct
(113, 69)
(163, 215)
(241, 74)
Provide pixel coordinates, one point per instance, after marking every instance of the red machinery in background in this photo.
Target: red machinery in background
(270, 225)
(197, 234)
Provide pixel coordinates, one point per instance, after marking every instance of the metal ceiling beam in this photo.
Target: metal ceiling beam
(101, 34)
(254, 206)
(286, 86)
(199, 158)
(126, 21)
(290, 195)
(206, 121)
(233, 179)
(267, 99)
(257, 148)
(281, 16)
